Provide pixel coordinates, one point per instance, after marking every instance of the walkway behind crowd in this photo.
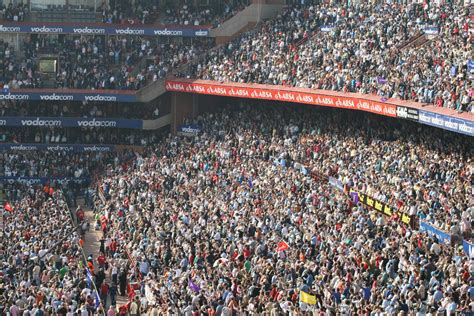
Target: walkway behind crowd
(92, 242)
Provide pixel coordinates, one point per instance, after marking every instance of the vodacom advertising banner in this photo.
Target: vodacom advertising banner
(287, 95)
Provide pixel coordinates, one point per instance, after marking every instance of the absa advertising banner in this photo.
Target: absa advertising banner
(381, 108)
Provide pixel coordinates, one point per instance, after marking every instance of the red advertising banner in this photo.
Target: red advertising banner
(296, 96)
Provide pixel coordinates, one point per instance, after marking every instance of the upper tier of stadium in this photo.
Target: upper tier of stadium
(418, 52)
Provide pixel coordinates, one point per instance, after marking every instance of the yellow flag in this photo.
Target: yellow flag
(307, 298)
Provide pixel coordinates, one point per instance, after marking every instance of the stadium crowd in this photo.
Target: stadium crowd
(126, 12)
(232, 221)
(240, 218)
(15, 72)
(48, 164)
(54, 165)
(355, 49)
(42, 272)
(83, 135)
(84, 109)
(14, 11)
(211, 15)
(89, 62)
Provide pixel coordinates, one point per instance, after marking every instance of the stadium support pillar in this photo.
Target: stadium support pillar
(184, 107)
(195, 105)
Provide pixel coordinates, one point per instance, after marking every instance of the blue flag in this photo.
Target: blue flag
(89, 279)
(97, 299)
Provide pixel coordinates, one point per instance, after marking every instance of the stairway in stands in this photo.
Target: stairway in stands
(91, 247)
(417, 40)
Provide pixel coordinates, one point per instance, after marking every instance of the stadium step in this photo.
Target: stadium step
(416, 40)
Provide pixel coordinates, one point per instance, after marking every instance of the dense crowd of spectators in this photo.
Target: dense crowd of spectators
(147, 12)
(126, 12)
(89, 62)
(42, 269)
(167, 58)
(14, 11)
(240, 218)
(46, 164)
(208, 15)
(142, 12)
(232, 221)
(356, 49)
(15, 72)
(84, 109)
(330, 46)
(82, 135)
(53, 165)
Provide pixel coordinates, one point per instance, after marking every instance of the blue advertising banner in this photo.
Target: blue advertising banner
(68, 95)
(441, 235)
(444, 237)
(336, 183)
(468, 248)
(327, 28)
(103, 29)
(470, 65)
(70, 122)
(431, 30)
(44, 180)
(446, 122)
(73, 148)
(188, 130)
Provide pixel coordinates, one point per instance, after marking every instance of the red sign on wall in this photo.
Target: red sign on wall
(315, 98)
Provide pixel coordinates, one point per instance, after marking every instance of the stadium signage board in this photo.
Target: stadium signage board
(318, 97)
(384, 208)
(470, 65)
(102, 29)
(70, 95)
(468, 248)
(407, 113)
(442, 236)
(445, 237)
(188, 130)
(229, 90)
(447, 122)
(70, 122)
(44, 180)
(327, 28)
(73, 148)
